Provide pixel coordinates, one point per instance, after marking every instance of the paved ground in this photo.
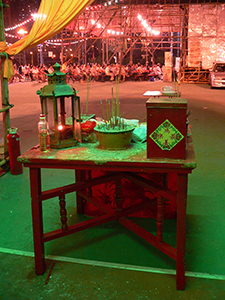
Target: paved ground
(205, 210)
(25, 113)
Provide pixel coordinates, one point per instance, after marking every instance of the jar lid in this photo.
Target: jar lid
(13, 130)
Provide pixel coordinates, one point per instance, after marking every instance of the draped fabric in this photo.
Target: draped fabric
(132, 194)
(53, 16)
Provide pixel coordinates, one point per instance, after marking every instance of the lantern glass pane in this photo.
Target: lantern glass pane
(64, 108)
(65, 120)
(77, 118)
(48, 108)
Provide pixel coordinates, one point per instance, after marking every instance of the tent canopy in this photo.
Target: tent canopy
(52, 17)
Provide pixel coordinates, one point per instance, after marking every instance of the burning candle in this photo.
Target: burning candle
(60, 127)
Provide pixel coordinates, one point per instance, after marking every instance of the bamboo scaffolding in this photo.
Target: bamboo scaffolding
(169, 19)
(4, 86)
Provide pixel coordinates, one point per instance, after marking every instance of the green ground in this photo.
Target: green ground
(111, 243)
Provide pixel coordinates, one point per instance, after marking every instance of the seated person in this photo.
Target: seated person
(108, 72)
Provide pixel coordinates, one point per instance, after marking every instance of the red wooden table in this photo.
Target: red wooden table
(129, 164)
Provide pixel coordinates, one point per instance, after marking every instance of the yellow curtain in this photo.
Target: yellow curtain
(53, 16)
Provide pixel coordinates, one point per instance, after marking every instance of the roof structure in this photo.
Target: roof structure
(182, 27)
(159, 2)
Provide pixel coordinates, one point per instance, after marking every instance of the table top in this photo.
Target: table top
(91, 156)
(160, 94)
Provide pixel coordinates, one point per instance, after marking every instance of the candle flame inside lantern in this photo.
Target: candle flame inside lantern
(60, 127)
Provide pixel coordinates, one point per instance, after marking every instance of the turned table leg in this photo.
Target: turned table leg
(119, 194)
(80, 175)
(181, 228)
(37, 217)
(159, 219)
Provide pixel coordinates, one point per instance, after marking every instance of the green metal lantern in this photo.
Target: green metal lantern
(61, 106)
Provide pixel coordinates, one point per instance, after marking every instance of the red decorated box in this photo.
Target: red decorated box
(166, 128)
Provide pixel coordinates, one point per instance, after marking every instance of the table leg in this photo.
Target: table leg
(119, 194)
(37, 217)
(80, 175)
(89, 176)
(159, 219)
(63, 212)
(181, 228)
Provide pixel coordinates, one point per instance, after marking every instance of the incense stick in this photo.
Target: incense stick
(103, 111)
(107, 110)
(88, 80)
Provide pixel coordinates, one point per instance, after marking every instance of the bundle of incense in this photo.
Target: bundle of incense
(112, 117)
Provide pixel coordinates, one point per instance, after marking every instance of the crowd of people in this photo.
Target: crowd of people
(94, 71)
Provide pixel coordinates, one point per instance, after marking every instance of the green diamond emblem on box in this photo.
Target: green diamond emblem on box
(166, 136)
